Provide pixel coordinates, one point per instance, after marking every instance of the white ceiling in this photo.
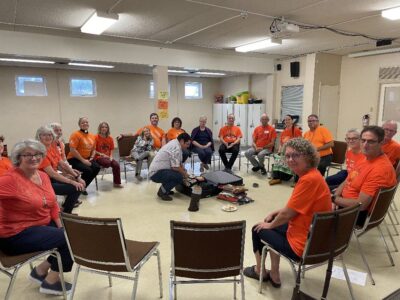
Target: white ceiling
(213, 24)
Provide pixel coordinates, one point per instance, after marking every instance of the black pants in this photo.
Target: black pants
(222, 153)
(40, 238)
(65, 189)
(88, 172)
(324, 162)
(204, 154)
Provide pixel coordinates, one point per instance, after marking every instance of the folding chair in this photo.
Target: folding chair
(125, 145)
(317, 250)
(99, 245)
(198, 253)
(339, 156)
(11, 264)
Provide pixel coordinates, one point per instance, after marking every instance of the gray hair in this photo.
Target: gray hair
(55, 125)
(204, 118)
(305, 148)
(44, 130)
(353, 130)
(21, 146)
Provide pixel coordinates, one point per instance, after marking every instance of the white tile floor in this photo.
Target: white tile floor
(146, 218)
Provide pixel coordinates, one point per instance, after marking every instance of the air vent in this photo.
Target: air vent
(389, 73)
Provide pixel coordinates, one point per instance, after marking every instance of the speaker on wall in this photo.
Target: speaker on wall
(278, 67)
(295, 69)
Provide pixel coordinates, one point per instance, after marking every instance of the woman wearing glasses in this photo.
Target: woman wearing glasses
(66, 183)
(286, 229)
(29, 218)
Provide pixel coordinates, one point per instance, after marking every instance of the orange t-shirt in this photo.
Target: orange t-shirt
(173, 133)
(392, 150)
(353, 159)
(157, 134)
(288, 134)
(52, 158)
(5, 165)
(262, 136)
(61, 148)
(84, 143)
(319, 137)
(104, 145)
(368, 177)
(310, 195)
(230, 133)
(24, 204)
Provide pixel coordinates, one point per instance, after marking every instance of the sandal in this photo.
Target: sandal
(251, 273)
(276, 285)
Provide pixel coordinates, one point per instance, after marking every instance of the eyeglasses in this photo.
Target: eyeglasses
(389, 130)
(293, 156)
(46, 134)
(311, 121)
(30, 156)
(352, 139)
(369, 142)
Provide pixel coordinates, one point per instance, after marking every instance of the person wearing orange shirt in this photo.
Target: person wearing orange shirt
(229, 136)
(263, 143)
(29, 216)
(363, 182)
(390, 147)
(59, 139)
(354, 156)
(82, 146)
(322, 139)
(286, 229)
(176, 129)
(104, 152)
(5, 163)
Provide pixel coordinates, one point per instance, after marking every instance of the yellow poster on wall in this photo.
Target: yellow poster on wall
(162, 105)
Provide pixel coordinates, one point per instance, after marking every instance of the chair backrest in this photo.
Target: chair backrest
(66, 149)
(379, 207)
(207, 250)
(5, 152)
(97, 243)
(125, 145)
(339, 152)
(318, 246)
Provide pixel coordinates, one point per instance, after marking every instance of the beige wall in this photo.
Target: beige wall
(359, 89)
(122, 100)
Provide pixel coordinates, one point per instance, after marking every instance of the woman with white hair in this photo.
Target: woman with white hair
(29, 216)
(59, 139)
(68, 183)
(203, 143)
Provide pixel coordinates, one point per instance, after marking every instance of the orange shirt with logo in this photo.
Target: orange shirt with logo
(52, 158)
(5, 165)
(263, 135)
(310, 195)
(392, 150)
(230, 133)
(290, 133)
(368, 177)
(353, 159)
(157, 134)
(104, 145)
(84, 143)
(173, 133)
(319, 137)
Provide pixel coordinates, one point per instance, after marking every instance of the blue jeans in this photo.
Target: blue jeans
(334, 181)
(168, 179)
(204, 154)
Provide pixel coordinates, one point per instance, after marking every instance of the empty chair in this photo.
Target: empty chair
(207, 253)
(125, 145)
(318, 248)
(11, 264)
(99, 245)
(339, 156)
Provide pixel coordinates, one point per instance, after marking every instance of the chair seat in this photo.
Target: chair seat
(138, 250)
(9, 261)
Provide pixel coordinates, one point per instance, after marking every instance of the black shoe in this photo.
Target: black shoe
(55, 288)
(84, 193)
(255, 169)
(263, 171)
(171, 193)
(163, 196)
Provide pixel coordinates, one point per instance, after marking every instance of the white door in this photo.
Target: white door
(253, 120)
(329, 107)
(240, 111)
(217, 120)
(389, 105)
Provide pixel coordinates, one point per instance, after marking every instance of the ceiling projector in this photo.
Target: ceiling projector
(283, 26)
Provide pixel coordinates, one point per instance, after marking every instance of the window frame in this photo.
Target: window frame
(83, 78)
(200, 90)
(30, 76)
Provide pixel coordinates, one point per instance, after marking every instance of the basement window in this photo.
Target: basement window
(30, 86)
(193, 90)
(82, 87)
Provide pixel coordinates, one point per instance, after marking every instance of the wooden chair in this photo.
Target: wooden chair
(11, 264)
(318, 249)
(339, 156)
(99, 245)
(125, 145)
(198, 253)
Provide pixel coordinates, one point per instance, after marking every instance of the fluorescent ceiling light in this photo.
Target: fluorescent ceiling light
(374, 52)
(210, 73)
(259, 45)
(99, 22)
(178, 71)
(391, 14)
(34, 61)
(90, 65)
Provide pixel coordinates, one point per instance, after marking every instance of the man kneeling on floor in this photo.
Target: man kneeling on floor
(167, 167)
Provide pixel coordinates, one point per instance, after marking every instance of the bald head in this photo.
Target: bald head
(390, 128)
(264, 119)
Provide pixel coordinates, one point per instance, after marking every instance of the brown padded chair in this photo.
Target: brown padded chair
(376, 215)
(317, 250)
(99, 245)
(197, 253)
(125, 145)
(339, 156)
(11, 264)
